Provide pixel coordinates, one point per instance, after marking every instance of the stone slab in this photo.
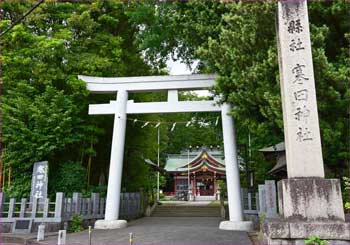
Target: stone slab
(270, 197)
(282, 229)
(236, 225)
(39, 180)
(311, 199)
(262, 199)
(110, 224)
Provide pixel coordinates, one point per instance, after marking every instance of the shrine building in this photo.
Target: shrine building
(197, 168)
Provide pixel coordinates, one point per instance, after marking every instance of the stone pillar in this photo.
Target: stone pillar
(2, 202)
(300, 117)
(61, 237)
(23, 208)
(11, 207)
(95, 203)
(77, 202)
(270, 199)
(262, 199)
(232, 175)
(308, 203)
(46, 207)
(41, 233)
(116, 167)
(34, 206)
(59, 207)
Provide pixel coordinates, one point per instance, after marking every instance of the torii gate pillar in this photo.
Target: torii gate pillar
(111, 220)
(232, 175)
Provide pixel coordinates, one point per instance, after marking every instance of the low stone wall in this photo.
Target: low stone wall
(6, 227)
(58, 214)
(282, 232)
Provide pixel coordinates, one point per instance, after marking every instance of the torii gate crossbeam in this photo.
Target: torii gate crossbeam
(122, 106)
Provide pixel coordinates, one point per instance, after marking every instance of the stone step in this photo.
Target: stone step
(184, 215)
(216, 212)
(186, 211)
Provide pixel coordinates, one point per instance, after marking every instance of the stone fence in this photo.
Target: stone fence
(55, 214)
(250, 201)
(268, 199)
(262, 203)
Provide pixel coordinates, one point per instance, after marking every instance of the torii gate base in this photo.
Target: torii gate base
(122, 106)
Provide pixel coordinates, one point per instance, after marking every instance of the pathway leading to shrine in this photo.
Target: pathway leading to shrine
(163, 230)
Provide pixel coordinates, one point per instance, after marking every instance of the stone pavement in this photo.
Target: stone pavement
(162, 230)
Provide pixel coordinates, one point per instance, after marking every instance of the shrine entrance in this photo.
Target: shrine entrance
(121, 107)
(205, 185)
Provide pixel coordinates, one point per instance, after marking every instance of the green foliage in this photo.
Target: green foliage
(346, 193)
(68, 178)
(315, 240)
(76, 224)
(101, 189)
(223, 188)
(346, 183)
(44, 104)
(347, 206)
(238, 41)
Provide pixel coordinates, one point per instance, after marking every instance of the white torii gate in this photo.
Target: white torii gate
(122, 106)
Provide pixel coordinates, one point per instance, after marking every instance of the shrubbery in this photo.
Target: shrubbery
(70, 177)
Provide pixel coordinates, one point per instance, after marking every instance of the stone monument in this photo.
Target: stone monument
(308, 203)
(39, 180)
(270, 199)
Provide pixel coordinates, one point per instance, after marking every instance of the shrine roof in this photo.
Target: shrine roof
(275, 148)
(176, 162)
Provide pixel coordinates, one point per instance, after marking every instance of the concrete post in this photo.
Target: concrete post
(271, 202)
(41, 233)
(95, 203)
(102, 205)
(2, 202)
(11, 207)
(34, 206)
(249, 201)
(46, 207)
(77, 202)
(61, 237)
(59, 207)
(262, 199)
(232, 175)
(116, 166)
(89, 204)
(23, 208)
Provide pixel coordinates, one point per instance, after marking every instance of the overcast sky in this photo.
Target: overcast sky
(178, 68)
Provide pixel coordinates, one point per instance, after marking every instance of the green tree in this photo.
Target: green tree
(238, 41)
(44, 104)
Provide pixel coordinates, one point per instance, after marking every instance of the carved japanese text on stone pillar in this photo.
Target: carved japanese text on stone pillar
(301, 126)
